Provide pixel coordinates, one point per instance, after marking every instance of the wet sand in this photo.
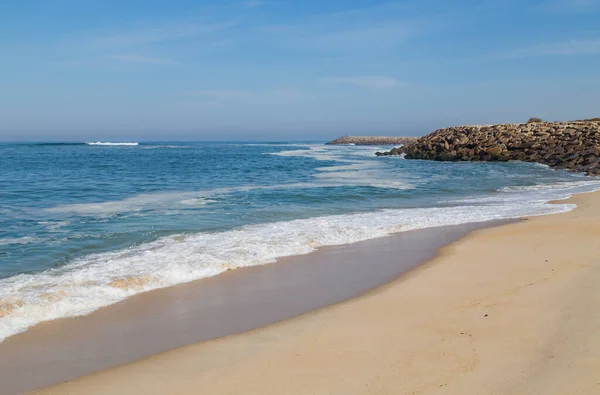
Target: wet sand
(509, 310)
(231, 303)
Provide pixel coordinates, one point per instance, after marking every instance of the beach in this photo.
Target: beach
(506, 310)
(231, 303)
(300, 197)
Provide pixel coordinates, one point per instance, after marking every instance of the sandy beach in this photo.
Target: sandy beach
(506, 310)
(263, 197)
(231, 303)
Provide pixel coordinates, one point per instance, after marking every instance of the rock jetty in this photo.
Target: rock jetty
(563, 145)
(373, 140)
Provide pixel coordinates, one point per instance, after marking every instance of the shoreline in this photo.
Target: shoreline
(478, 318)
(231, 303)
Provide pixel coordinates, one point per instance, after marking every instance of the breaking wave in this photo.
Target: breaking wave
(112, 144)
(102, 279)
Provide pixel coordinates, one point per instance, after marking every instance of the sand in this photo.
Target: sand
(233, 302)
(507, 310)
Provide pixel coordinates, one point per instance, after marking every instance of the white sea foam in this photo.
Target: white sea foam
(350, 172)
(539, 193)
(18, 240)
(352, 167)
(196, 201)
(353, 170)
(164, 200)
(316, 153)
(564, 185)
(54, 226)
(102, 279)
(108, 143)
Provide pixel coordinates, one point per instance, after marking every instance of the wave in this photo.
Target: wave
(169, 200)
(355, 166)
(188, 199)
(565, 185)
(98, 280)
(112, 144)
(541, 192)
(350, 168)
(19, 240)
(102, 279)
(147, 201)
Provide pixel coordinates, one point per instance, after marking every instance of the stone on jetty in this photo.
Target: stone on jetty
(372, 140)
(563, 145)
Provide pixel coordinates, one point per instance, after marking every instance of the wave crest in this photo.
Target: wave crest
(108, 143)
(102, 279)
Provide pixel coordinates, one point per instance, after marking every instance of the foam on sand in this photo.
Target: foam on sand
(102, 279)
(97, 280)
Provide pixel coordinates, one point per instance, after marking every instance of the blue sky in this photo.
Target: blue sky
(290, 69)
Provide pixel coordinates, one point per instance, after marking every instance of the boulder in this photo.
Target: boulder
(567, 145)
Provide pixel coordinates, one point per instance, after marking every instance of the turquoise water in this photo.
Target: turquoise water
(83, 226)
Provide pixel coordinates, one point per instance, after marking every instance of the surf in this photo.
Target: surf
(108, 143)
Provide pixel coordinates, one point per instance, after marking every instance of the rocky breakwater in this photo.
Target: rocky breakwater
(373, 140)
(564, 145)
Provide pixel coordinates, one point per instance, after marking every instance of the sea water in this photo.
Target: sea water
(86, 225)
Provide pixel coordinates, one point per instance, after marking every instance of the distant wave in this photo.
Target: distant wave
(111, 143)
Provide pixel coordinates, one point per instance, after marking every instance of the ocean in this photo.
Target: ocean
(87, 225)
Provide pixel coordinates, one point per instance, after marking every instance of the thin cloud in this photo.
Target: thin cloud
(133, 58)
(379, 27)
(569, 6)
(222, 95)
(154, 34)
(372, 82)
(376, 37)
(563, 48)
(560, 48)
(241, 96)
(251, 4)
(124, 44)
(74, 64)
(113, 61)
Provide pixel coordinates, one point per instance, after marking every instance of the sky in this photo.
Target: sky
(149, 70)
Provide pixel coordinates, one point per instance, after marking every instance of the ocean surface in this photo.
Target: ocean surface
(86, 225)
